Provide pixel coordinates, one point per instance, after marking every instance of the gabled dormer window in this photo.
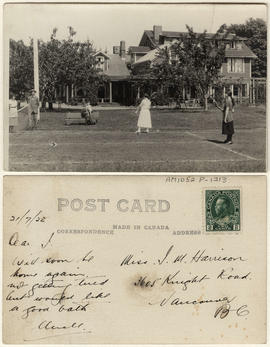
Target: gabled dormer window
(230, 44)
(234, 45)
(100, 60)
(239, 45)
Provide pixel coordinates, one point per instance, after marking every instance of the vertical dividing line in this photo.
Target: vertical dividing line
(36, 69)
(5, 119)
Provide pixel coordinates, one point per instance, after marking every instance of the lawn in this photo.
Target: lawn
(178, 142)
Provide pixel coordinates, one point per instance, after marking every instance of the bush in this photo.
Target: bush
(93, 99)
(160, 99)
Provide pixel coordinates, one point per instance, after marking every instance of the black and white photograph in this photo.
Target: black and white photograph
(135, 87)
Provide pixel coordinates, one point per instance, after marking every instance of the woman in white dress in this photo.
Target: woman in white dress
(13, 113)
(144, 120)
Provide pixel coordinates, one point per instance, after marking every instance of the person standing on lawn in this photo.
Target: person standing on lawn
(13, 112)
(33, 110)
(227, 121)
(144, 120)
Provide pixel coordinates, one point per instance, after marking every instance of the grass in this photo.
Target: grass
(179, 142)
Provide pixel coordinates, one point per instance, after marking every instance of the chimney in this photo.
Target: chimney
(122, 49)
(116, 50)
(157, 29)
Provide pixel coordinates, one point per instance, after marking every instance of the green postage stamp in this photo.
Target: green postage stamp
(222, 210)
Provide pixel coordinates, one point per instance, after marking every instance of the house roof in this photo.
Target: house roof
(150, 35)
(117, 68)
(244, 52)
(177, 34)
(151, 55)
(139, 49)
(101, 53)
(229, 36)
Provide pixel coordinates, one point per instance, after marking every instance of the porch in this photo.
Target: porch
(116, 91)
(113, 91)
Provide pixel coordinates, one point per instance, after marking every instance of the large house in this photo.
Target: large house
(122, 64)
(116, 86)
(235, 70)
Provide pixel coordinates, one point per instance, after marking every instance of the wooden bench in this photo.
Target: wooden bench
(76, 118)
(191, 105)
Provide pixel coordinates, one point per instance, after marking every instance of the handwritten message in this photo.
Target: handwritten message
(57, 291)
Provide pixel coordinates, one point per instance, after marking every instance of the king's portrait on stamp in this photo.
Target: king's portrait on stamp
(222, 210)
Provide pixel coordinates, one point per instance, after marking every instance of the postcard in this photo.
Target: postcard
(95, 78)
(134, 259)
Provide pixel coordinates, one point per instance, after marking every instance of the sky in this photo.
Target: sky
(106, 24)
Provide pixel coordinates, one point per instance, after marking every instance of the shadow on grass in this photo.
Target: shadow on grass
(215, 141)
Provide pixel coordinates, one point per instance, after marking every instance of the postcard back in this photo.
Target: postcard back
(134, 259)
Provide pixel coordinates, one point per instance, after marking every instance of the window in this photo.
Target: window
(100, 62)
(234, 45)
(100, 59)
(235, 65)
(173, 56)
(240, 90)
(244, 90)
(230, 44)
(235, 90)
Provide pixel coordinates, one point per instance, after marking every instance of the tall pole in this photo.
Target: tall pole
(6, 101)
(110, 85)
(36, 70)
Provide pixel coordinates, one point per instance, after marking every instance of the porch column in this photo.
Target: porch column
(110, 85)
(67, 96)
(253, 92)
(138, 93)
(75, 90)
(72, 90)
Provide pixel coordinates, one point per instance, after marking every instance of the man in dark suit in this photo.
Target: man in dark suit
(33, 110)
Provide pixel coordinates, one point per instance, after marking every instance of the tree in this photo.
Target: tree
(168, 72)
(67, 62)
(61, 62)
(49, 61)
(255, 30)
(193, 60)
(20, 68)
(77, 64)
